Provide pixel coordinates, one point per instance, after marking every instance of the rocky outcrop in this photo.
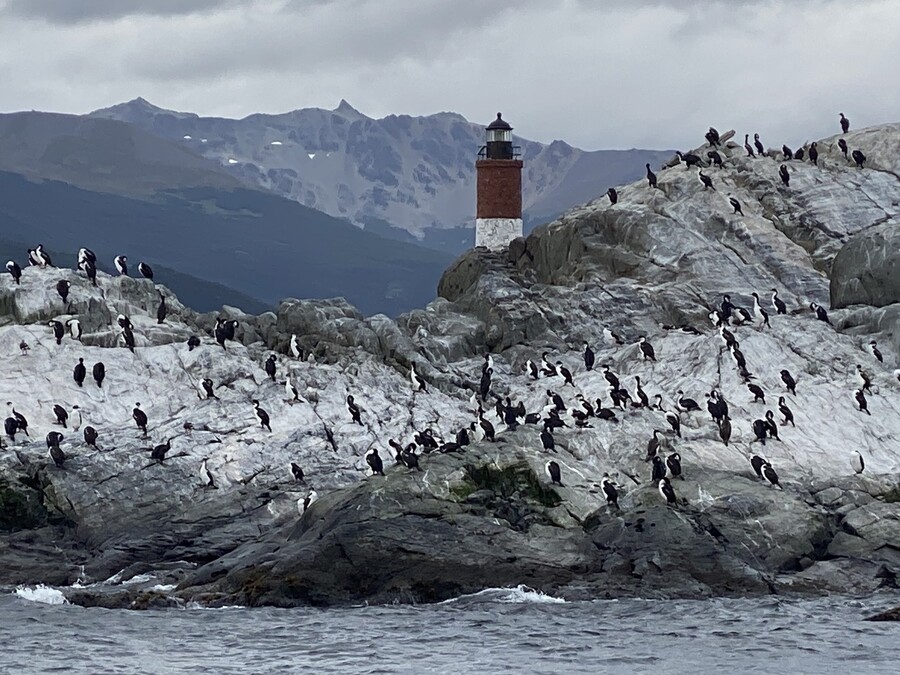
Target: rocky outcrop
(866, 271)
(656, 261)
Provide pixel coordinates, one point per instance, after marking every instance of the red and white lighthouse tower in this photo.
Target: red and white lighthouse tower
(499, 185)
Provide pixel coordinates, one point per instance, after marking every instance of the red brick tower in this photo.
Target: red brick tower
(499, 183)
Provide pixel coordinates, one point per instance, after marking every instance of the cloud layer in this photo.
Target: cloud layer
(597, 74)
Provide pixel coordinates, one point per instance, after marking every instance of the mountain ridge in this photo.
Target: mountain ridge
(416, 173)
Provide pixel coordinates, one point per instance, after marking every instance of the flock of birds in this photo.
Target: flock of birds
(714, 158)
(485, 403)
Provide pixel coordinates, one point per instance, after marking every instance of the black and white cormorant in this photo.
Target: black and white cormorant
(873, 347)
(860, 397)
(667, 492)
(61, 415)
(859, 158)
(79, 373)
(261, 415)
(373, 459)
(99, 373)
(760, 149)
(785, 411)
(613, 195)
(90, 437)
(588, 357)
(554, 473)
(208, 388)
(651, 177)
(121, 263)
(193, 342)
(785, 175)
(820, 312)
(418, 382)
(140, 418)
(58, 330)
(13, 268)
(736, 205)
(706, 180)
(610, 491)
(647, 349)
(857, 461)
(845, 124)
(354, 410)
(778, 303)
(145, 270)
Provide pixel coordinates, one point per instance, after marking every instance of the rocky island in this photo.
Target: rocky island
(116, 525)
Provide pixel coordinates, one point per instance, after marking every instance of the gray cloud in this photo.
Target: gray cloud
(78, 11)
(596, 74)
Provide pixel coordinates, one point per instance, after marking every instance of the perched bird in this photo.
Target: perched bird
(799, 154)
(706, 180)
(842, 144)
(651, 177)
(758, 462)
(813, 153)
(484, 387)
(293, 394)
(261, 415)
(864, 377)
(271, 367)
(297, 472)
(90, 437)
(55, 452)
(532, 369)
(354, 410)
(785, 175)
(712, 136)
(760, 430)
(778, 303)
(821, 314)
(736, 205)
(547, 439)
(715, 158)
(374, 461)
(140, 418)
(145, 270)
(725, 430)
(861, 401)
(789, 381)
(769, 474)
(785, 412)
(857, 462)
(671, 417)
(610, 491)
(547, 368)
(759, 146)
(554, 473)
(748, 147)
(673, 462)
(641, 394)
(613, 195)
(859, 158)
(61, 415)
(99, 373)
(162, 310)
(654, 445)
(208, 388)
(658, 470)
(612, 338)
(206, 476)
(667, 492)
(771, 426)
(74, 326)
(588, 357)
(79, 373)
(565, 373)
(159, 451)
(193, 342)
(128, 339)
(294, 347)
(43, 259)
(758, 393)
(873, 346)
(647, 349)
(13, 268)
(610, 377)
(58, 331)
(418, 383)
(121, 263)
(845, 124)
(306, 502)
(758, 310)
(689, 159)
(786, 151)
(686, 404)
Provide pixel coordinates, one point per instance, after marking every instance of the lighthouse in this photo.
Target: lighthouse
(498, 168)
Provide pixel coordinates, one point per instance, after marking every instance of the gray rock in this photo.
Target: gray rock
(866, 271)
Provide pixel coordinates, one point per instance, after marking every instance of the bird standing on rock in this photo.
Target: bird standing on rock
(121, 263)
(785, 175)
(613, 195)
(706, 180)
(647, 349)
(845, 124)
(736, 205)
(261, 415)
(140, 418)
(554, 473)
(374, 461)
(651, 177)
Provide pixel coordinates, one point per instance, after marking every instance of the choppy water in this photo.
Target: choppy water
(497, 631)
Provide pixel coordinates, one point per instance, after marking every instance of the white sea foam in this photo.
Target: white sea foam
(521, 594)
(42, 594)
(138, 579)
(164, 588)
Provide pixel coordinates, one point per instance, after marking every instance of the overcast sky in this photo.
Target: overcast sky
(597, 74)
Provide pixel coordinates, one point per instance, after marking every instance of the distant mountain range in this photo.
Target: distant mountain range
(409, 178)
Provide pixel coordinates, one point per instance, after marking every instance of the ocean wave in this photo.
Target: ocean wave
(42, 594)
(521, 594)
